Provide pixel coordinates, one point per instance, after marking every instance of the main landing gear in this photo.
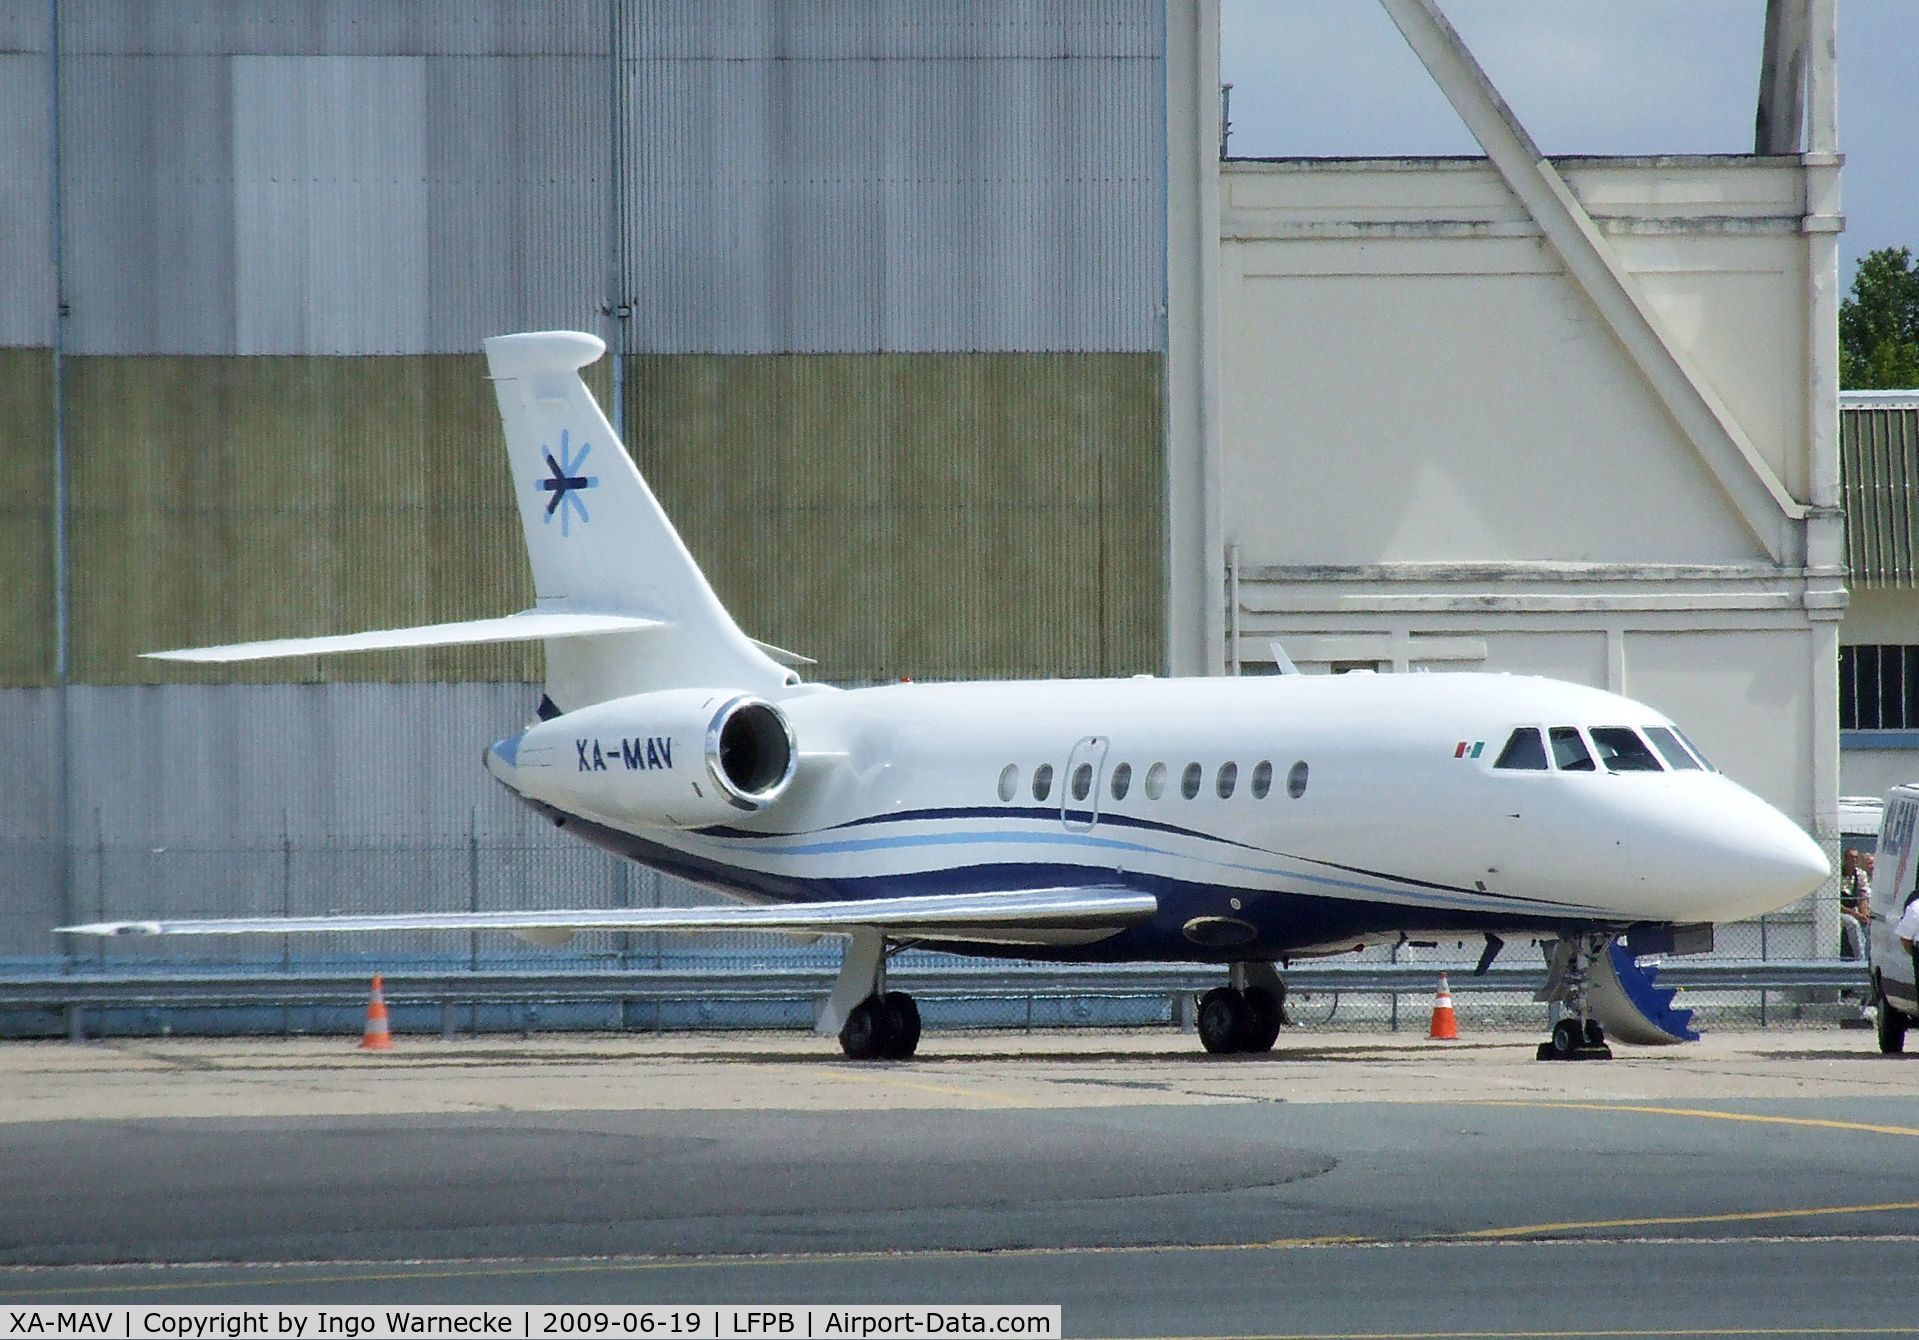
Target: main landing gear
(1576, 1036)
(873, 1024)
(1245, 1016)
(883, 1027)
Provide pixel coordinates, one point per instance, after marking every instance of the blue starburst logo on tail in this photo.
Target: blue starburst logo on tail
(565, 480)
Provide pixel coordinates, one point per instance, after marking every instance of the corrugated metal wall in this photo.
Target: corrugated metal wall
(844, 176)
(1879, 470)
(888, 279)
(299, 799)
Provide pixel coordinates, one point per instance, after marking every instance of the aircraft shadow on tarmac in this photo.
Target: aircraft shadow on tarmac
(1178, 1053)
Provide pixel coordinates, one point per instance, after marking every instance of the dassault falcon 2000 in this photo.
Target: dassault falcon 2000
(1238, 822)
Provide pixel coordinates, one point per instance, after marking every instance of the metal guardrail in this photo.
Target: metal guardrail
(76, 993)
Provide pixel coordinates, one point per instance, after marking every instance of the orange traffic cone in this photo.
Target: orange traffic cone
(1444, 1024)
(376, 1038)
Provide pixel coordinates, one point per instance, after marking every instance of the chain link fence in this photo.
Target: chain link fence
(532, 869)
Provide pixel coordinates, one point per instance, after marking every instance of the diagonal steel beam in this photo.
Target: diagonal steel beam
(1755, 490)
(1781, 114)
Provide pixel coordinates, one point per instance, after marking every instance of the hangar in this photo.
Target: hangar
(946, 333)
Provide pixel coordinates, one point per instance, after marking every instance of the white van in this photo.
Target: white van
(1895, 882)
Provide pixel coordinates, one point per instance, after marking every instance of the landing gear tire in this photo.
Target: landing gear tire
(1574, 1040)
(1225, 1020)
(882, 1028)
(1890, 1023)
(904, 1016)
(867, 1030)
(1265, 1012)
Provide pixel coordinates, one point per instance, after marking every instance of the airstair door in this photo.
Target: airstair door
(1079, 791)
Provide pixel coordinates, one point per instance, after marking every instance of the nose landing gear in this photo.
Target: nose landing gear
(1576, 1036)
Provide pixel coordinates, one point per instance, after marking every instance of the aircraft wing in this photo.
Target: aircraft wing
(1023, 916)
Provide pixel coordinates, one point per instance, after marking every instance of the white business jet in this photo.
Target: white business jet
(1239, 822)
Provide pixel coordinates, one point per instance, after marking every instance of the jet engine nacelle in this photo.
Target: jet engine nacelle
(677, 758)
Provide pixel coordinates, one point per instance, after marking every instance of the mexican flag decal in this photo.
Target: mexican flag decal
(1471, 750)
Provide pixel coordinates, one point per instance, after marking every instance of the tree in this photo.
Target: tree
(1879, 323)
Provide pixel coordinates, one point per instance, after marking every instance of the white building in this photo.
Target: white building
(1565, 416)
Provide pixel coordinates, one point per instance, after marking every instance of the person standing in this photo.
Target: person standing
(1855, 907)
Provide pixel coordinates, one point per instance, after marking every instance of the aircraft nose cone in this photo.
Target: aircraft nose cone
(1717, 852)
(1770, 861)
(1790, 862)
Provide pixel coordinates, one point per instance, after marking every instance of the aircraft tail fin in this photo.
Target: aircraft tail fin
(621, 605)
(599, 541)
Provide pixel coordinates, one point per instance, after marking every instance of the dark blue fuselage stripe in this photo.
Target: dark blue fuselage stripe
(1286, 921)
(1118, 821)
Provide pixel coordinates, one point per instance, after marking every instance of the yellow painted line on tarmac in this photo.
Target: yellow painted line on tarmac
(1705, 1113)
(1670, 1221)
(290, 1273)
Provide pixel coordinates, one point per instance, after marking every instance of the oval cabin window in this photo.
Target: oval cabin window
(1262, 779)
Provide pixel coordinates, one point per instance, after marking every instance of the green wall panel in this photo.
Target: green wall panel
(26, 516)
(226, 499)
(928, 515)
(933, 515)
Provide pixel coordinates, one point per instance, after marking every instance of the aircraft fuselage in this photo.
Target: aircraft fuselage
(1270, 817)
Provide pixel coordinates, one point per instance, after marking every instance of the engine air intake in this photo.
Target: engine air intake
(749, 750)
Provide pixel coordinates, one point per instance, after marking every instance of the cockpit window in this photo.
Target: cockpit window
(1569, 751)
(1667, 743)
(1694, 750)
(1621, 750)
(1523, 750)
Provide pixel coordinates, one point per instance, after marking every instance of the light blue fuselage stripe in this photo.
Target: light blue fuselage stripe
(1082, 841)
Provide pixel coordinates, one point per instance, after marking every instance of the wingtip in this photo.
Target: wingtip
(110, 928)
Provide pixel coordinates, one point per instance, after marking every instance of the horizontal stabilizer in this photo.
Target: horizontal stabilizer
(522, 627)
(1026, 916)
(781, 654)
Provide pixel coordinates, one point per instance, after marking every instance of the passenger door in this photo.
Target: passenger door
(1079, 788)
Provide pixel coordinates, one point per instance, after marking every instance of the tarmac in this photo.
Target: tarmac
(1751, 1184)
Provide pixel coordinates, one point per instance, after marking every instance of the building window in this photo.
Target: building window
(1879, 688)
